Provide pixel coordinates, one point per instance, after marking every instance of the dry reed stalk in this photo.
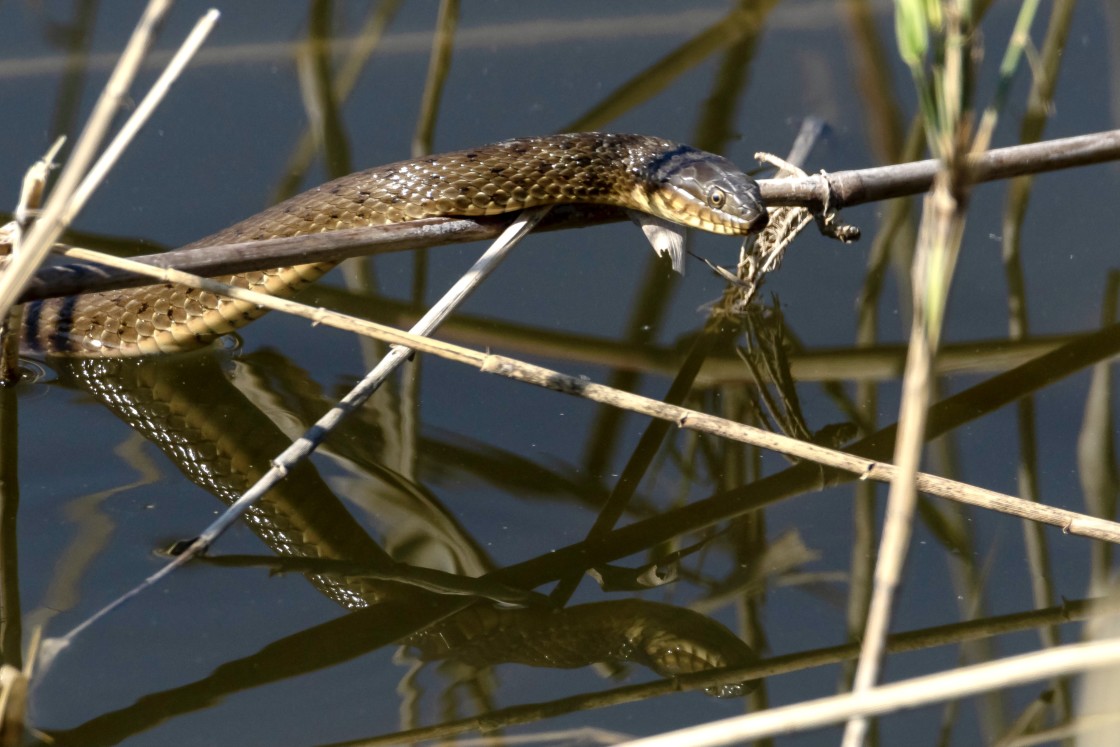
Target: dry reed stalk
(947, 121)
(723, 32)
(1065, 660)
(13, 705)
(940, 232)
(140, 115)
(1045, 67)
(1069, 521)
(439, 64)
(360, 50)
(61, 206)
(914, 640)
(30, 200)
(1106, 723)
(883, 362)
(528, 35)
(67, 199)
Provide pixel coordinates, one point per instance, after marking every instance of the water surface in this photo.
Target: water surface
(453, 470)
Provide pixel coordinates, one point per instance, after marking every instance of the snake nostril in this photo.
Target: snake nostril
(761, 221)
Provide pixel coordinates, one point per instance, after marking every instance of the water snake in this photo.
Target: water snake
(661, 182)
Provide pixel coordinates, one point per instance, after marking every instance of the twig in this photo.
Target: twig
(841, 189)
(439, 64)
(30, 200)
(882, 362)
(643, 86)
(227, 259)
(812, 714)
(913, 640)
(361, 48)
(856, 187)
(940, 234)
(1068, 521)
(62, 206)
(436, 581)
(143, 111)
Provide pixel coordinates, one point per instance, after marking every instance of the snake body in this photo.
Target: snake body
(660, 178)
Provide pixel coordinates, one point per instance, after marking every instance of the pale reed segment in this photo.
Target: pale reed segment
(1069, 521)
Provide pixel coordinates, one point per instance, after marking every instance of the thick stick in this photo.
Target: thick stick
(842, 188)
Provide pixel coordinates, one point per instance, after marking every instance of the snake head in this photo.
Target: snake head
(706, 191)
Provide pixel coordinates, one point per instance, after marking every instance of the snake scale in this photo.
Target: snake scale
(661, 182)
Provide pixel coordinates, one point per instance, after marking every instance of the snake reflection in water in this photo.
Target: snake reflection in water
(221, 441)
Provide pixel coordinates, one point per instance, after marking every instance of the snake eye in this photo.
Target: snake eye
(716, 198)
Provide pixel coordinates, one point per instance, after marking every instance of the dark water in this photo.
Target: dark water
(451, 470)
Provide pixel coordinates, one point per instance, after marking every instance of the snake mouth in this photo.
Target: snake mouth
(678, 206)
